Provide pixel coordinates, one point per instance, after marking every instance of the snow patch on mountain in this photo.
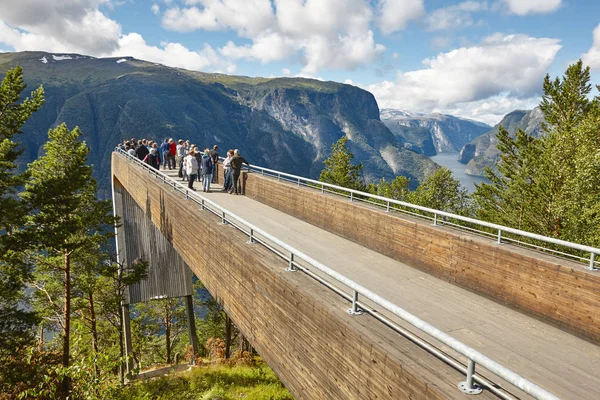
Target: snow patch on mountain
(60, 58)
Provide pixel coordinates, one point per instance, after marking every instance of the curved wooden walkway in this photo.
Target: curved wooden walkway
(558, 361)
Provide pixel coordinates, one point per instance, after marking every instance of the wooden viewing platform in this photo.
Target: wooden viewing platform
(528, 341)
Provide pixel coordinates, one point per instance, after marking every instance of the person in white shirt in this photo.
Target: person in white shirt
(191, 165)
(227, 171)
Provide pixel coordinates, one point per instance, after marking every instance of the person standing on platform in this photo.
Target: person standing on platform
(214, 155)
(227, 171)
(236, 169)
(141, 151)
(152, 159)
(181, 152)
(207, 170)
(172, 153)
(192, 168)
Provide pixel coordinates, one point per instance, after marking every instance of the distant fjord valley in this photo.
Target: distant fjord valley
(287, 124)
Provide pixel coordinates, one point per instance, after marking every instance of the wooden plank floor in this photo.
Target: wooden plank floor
(554, 359)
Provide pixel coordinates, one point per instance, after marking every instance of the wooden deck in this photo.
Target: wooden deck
(552, 358)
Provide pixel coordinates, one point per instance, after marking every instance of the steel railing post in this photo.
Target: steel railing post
(499, 236)
(223, 221)
(434, 219)
(291, 267)
(298, 182)
(468, 386)
(202, 205)
(251, 239)
(592, 267)
(355, 310)
(322, 188)
(351, 196)
(387, 209)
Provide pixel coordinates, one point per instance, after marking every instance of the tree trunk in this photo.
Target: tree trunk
(94, 333)
(227, 336)
(168, 331)
(121, 348)
(41, 340)
(67, 322)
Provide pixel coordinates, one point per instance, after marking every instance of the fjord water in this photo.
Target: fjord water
(450, 160)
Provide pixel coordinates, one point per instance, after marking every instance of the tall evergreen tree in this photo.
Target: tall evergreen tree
(339, 169)
(16, 323)
(67, 218)
(545, 185)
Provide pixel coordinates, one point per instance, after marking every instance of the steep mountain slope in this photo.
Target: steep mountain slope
(285, 123)
(482, 152)
(447, 134)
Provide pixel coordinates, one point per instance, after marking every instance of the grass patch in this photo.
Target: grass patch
(211, 382)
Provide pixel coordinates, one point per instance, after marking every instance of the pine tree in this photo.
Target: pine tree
(441, 191)
(546, 185)
(16, 323)
(67, 218)
(339, 169)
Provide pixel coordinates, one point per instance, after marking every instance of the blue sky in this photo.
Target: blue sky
(476, 59)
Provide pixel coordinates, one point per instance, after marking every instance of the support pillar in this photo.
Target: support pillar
(189, 305)
(127, 337)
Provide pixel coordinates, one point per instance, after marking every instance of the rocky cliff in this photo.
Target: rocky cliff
(482, 151)
(432, 133)
(284, 123)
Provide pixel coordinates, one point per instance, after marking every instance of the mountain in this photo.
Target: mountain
(287, 124)
(430, 134)
(482, 151)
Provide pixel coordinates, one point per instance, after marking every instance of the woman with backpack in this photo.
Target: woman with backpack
(152, 159)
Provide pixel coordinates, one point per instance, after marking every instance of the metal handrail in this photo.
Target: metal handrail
(356, 194)
(474, 356)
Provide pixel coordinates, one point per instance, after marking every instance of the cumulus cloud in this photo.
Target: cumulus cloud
(592, 57)
(526, 7)
(454, 17)
(506, 66)
(173, 54)
(394, 15)
(74, 25)
(155, 9)
(79, 26)
(319, 34)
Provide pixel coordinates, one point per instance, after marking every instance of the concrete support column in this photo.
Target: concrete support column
(191, 322)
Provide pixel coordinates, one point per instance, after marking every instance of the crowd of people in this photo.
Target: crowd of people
(193, 163)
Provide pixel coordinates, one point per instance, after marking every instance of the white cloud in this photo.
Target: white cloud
(286, 72)
(78, 26)
(394, 15)
(454, 17)
(319, 34)
(247, 17)
(511, 67)
(526, 7)
(66, 25)
(173, 54)
(155, 9)
(592, 57)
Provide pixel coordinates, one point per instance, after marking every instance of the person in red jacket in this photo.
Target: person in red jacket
(173, 152)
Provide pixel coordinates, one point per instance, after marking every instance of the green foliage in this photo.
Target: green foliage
(546, 185)
(16, 323)
(398, 189)
(339, 169)
(441, 191)
(211, 382)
